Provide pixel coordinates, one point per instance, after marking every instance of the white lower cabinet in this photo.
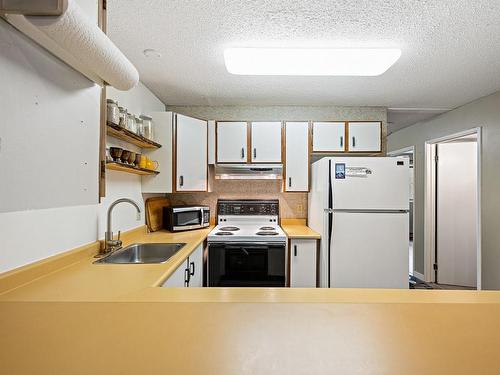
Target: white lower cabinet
(196, 268)
(303, 263)
(179, 279)
(189, 273)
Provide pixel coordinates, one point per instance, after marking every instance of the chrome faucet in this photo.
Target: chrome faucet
(109, 243)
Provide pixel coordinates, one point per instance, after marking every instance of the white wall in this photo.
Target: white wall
(484, 113)
(44, 108)
(44, 207)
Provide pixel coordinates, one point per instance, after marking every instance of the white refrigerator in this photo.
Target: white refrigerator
(360, 206)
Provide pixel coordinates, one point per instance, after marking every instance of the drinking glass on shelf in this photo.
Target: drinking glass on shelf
(147, 125)
(123, 117)
(131, 125)
(112, 111)
(140, 128)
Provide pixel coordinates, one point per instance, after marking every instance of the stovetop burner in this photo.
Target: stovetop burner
(266, 233)
(230, 229)
(224, 233)
(266, 228)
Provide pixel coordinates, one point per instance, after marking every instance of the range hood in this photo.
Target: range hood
(248, 171)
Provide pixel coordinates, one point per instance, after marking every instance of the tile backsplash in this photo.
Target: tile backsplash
(292, 205)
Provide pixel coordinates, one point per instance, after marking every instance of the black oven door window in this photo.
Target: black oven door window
(246, 265)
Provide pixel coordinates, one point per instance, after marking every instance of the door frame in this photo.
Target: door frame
(402, 152)
(430, 203)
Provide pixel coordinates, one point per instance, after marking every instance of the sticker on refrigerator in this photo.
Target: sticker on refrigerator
(357, 172)
(339, 170)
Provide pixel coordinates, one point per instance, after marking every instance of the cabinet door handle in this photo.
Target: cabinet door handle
(181, 181)
(289, 182)
(341, 141)
(243, 153)
(353, 141)
(254, 152)
(295, 250)
(191, 266)
(187, 277)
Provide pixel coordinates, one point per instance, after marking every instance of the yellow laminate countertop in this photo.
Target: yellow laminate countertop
(114, 319)
(299, 231)
(83, 280)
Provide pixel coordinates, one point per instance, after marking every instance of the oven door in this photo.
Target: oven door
(188, 218)
(246, 264)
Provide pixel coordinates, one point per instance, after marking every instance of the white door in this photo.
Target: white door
(231, 142)
(191, 152)
(370, 183)
(179, 278)
(266, 142)
(365, 136)
(303, 263)
(328, 136)
(297, 156)
(196, 268)
(369, 250)
(456, 205)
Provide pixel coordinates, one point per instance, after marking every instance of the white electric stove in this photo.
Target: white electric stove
(247, 247)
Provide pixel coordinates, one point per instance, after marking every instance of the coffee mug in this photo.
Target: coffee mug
(143, 161)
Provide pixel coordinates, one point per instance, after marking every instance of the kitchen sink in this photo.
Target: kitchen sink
(140, 253)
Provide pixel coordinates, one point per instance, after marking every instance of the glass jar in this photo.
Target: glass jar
(147, 126)
(123, 117)
(131, 125)
(140, 126)
(113, 113)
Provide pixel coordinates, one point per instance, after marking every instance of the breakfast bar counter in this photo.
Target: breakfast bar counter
(83, 318)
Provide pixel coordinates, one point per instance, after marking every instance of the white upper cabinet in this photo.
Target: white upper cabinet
(296, 156)
(231, 142)
(163, 129)
(191, 154)
(365, 136)
(266, 142)
(328, 136)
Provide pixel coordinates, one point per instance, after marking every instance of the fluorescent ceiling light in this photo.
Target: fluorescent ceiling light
(310, 61)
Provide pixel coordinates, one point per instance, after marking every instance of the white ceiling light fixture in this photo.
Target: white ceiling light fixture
(310, 61)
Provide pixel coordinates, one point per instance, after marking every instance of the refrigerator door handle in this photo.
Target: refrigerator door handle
(368, 211)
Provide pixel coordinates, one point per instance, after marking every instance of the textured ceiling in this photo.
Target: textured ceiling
(450, 49)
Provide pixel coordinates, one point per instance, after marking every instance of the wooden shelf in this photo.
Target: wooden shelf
(130, 169)
(116, 131)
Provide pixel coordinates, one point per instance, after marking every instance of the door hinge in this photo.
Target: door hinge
(436, 158)
(435, 266)
(103, 168)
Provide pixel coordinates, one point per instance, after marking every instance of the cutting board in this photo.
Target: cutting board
(154, 212)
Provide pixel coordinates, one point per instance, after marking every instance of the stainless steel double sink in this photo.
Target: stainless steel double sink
(143, 253)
